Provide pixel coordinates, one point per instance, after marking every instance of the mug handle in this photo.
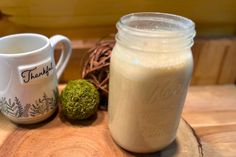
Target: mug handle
(65, 54)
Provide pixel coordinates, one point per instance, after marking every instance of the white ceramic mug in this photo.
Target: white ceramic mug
(29, 76)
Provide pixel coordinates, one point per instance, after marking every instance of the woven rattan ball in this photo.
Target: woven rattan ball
(96, 68)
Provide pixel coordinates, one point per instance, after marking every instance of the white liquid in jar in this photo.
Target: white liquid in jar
(146, 95)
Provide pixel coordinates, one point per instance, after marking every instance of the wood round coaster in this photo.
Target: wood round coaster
(59, 138)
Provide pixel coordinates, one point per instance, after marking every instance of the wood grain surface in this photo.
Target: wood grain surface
(59, 137)
(210, 110)
(91, 138)
(214, 61)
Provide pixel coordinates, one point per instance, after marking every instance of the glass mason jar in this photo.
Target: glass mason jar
(151, 67)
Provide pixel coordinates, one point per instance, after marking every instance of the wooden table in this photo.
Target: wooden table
(210, 110)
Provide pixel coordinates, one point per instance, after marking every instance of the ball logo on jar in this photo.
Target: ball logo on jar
(171, 88)
(167, 89)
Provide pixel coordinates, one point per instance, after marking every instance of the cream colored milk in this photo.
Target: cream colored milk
(146, 96)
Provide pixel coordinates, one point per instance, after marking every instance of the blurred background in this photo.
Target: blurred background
(96, 18)
(87, 21)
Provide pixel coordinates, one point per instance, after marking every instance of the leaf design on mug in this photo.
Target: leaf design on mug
(41, 106)
(7, 106)
(20, 110)
(26, 110)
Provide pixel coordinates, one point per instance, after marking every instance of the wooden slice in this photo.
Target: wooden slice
(60, 138)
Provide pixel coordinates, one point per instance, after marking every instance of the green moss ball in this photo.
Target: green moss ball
(79, 99)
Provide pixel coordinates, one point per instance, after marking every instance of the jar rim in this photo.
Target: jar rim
(155, 24)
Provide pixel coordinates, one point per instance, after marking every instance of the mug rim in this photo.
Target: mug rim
(43, 37)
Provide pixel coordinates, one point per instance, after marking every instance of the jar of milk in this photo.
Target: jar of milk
(151, 67)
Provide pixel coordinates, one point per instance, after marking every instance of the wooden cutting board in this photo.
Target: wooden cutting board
(60, 138)
(211, 111)
(91, 138)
